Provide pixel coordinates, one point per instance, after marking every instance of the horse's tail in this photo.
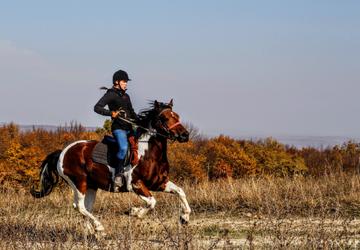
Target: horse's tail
(49, 176)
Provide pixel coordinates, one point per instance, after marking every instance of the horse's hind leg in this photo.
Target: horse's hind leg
(170, 187)
(90, 197)
(83, 209)
(82, 203)
(144, 193)
(73, 172)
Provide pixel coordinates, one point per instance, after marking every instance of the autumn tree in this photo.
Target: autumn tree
(186, 163)
(226, 158)
(272, 158)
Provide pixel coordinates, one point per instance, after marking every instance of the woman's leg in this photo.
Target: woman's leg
(121, 139)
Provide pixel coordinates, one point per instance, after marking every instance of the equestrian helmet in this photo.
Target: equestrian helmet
(120, 75)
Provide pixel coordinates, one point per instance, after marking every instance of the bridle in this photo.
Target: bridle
(165, 127)
(162, 125)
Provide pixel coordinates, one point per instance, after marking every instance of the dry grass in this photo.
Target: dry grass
(298, 213)
(303, 196)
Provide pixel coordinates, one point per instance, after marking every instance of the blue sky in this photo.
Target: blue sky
(232, 67)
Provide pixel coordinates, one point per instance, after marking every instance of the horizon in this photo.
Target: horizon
(262, 135)
(298, 141)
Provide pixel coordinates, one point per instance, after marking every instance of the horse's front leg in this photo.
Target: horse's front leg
(144, 193)
(170, 187)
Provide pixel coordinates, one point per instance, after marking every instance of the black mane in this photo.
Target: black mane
(149, 114)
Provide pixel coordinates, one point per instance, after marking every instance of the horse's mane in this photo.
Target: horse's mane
(149, 114)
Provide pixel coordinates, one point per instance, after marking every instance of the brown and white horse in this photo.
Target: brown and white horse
(74, 164)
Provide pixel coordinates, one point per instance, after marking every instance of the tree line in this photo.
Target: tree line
(201, 159)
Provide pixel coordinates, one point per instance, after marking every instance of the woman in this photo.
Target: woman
(119, 105)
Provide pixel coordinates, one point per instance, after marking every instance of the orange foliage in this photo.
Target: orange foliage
(185, 163)
(221, 170)
(227, 152)
(273, 159)
(8, 133)
(21, 153)
(224, 157)
(333, 160)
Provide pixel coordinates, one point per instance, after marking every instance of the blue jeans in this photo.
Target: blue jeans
(122, 141)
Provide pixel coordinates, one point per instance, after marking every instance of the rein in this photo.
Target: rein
(151, 131)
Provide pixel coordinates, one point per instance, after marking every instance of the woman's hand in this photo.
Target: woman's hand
(114, 114)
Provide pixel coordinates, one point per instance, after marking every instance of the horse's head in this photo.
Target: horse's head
(168, 122)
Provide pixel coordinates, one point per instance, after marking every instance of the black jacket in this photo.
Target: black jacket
(116, 99)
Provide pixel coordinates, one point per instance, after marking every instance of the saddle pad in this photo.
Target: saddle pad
(104, 154)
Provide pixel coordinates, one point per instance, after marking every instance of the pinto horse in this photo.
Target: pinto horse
(75, 165)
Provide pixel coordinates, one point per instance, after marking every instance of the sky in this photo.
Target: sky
(232, 67)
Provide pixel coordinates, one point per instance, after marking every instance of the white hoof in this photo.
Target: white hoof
(184, 219)
(99, 228)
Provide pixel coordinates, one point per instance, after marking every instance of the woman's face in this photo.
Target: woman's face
(122, 84)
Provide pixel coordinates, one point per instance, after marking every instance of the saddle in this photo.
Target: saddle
(105, 152)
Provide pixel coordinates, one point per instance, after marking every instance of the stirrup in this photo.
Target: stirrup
(118, 183)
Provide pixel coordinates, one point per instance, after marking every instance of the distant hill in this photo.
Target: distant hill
(319, 142)
(48, 127)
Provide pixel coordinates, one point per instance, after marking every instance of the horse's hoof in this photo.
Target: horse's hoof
(99, 228)
(184, 220)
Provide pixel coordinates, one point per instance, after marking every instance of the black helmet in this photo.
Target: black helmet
(120, 75)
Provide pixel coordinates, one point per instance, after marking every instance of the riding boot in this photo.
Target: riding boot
(119, 168)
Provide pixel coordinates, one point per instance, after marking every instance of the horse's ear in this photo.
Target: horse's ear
(171, 103)
(156, 104)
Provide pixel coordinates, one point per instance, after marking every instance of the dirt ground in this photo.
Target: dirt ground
(205, 231)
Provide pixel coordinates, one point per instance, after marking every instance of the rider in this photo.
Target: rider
(119, 105)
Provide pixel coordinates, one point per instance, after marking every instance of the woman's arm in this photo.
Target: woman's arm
(100, 105)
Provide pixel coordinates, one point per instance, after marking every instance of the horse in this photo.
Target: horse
(74, 164)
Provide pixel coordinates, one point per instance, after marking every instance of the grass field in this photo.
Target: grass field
(250, 213)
